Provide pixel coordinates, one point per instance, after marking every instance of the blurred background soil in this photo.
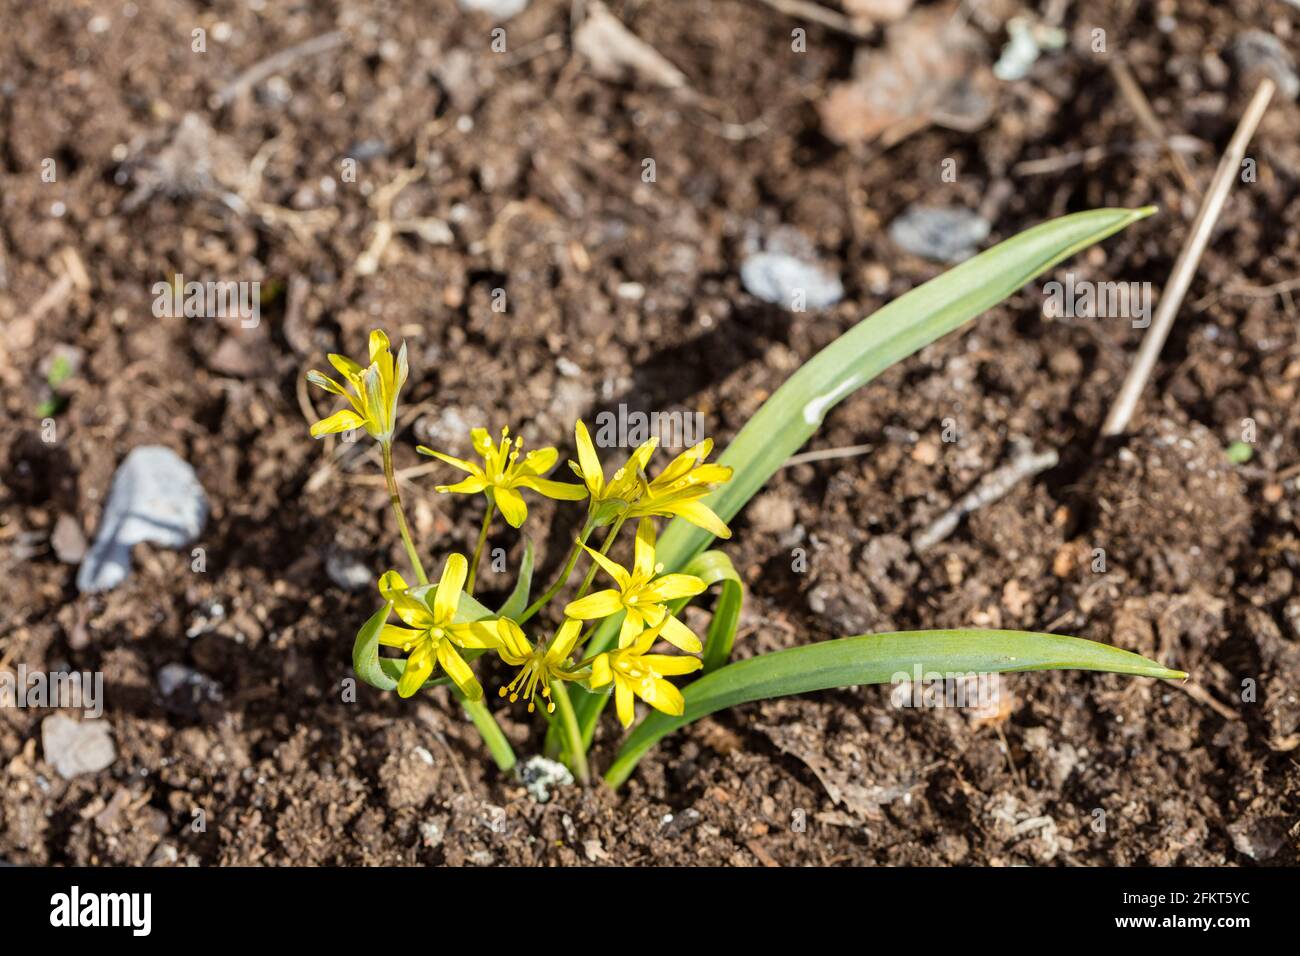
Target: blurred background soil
(524, 170)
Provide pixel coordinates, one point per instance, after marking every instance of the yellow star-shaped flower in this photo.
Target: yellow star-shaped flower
(641, 595)
(627, 483)
(502, 474)
(432, 634)
(676, 493)
(539, 665)
(636, 673)
(373, 394)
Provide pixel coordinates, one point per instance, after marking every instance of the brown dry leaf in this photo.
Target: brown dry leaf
(932, 69)
(616, 53)
(842, 784)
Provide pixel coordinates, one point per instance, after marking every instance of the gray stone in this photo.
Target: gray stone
(156, 498)
(782, 279)
(1259, 52)
(540, 775)
(75, 747)
(496, 9)
(173, 678)
(947, 234)
(346, 570)
(68, 540)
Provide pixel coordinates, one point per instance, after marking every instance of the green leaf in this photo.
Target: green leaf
(714, 567)
(365, 653)
(878, 659)
(385, 672)
(889, 335)
(518, 599)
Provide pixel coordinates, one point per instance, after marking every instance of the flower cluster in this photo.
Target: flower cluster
(442, 629)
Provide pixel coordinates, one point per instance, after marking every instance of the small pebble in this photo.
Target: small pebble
(1260, 52)
(794, 284)
(347, 570)
(68, 540)
(497, 9)
(74, 747)
(946, 234)
(540, 776)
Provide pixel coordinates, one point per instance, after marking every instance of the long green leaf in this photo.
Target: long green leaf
(518, 599)
(714, 567)
(878, 659)
(901, 328)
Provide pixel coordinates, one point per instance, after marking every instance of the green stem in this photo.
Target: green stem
(478, 712)
(489, 730)
(478, 548)
(552, 745)
(395, 499)
(569, 723)
(563, 576)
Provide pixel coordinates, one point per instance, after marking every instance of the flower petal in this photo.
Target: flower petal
(347, 368)
(601, 672)
(559, 490)
(394, 635)
(562, 644)
(623, 703)
(460, 463)
(512, 506)
(633, 624)
(680, 636)
(662, 696)
(469, 486)
(668, 665)
(700, 515)
(588, 460)
(670, 587)
(321, 380)
(512, 640)
(418, 668)
(447, 597)
(595, 606)
(643, 563)
(341, 421)
(613, 569)
(410, 610)
(539, 461)
(378, 344)
(459, 671)
(480, 635)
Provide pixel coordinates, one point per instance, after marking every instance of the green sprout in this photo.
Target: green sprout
(53, 403)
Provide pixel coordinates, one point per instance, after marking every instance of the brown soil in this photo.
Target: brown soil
(536, 164)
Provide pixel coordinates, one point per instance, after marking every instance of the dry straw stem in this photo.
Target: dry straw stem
(1188, 259)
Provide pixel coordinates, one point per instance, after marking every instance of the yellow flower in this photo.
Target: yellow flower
(627, 483)
(503, 474)
(374, 391)
(431, 635)
(634, 672)
(641, 595)
(538, 665)
(678, 490)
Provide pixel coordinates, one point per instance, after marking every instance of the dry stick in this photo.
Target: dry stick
(991, 488)
(826, 454)
(262, 69)
(806, 10)
(1185, 268)
(1141, 106)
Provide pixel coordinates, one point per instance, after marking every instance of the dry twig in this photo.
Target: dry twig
(992, 487)
(1188, 259)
